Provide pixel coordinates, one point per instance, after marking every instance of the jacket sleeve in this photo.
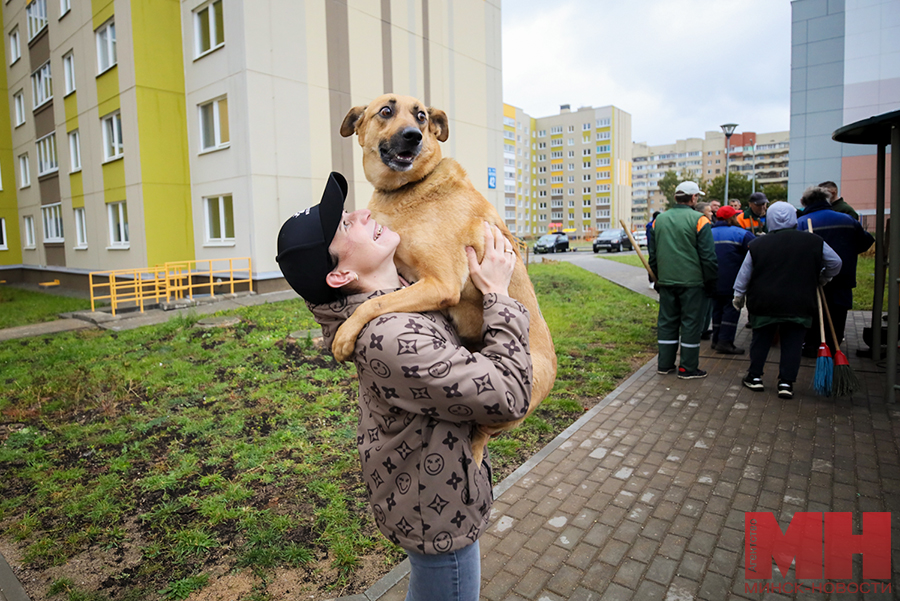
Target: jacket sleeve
(863, 239)
(706, 249)
(743, 277)
(651, 248)
(831, 262)
(416, 367)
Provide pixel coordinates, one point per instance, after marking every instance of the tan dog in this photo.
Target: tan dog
(437, 211)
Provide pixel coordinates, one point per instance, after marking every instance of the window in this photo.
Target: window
(64, 7)
(29, 231)
(214, 124)
(24, 171)
(15, 53)
(571, 128)
(37, 17)
(118, 224)
(69, 72)
(41, 85)
(3, 244)
(112, 136)
(46, 153)
(53, 225)
(80, 229)
(19, 101)
(209, 28)
(74, 151)
(106, 47)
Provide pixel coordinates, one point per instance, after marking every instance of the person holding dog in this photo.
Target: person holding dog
(422, 394)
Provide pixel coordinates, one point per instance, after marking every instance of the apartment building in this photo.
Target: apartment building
(191, 129)
(580, 170)
(763, 157)
(519, 208)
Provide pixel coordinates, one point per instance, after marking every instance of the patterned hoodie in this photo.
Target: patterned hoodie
(421, 393)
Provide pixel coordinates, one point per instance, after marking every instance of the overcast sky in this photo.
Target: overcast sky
(680, 67)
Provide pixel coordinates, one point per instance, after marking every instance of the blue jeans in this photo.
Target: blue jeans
(454, 576)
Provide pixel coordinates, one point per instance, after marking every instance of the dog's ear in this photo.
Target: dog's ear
(351, 121)
(437, 123)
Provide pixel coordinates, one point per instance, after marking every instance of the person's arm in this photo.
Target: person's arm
(651, 250)
(831, 264)
(863, 239)
(706, 249)
(743, 277)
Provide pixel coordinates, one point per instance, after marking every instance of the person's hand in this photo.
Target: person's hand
(738, 302)
(495, 271)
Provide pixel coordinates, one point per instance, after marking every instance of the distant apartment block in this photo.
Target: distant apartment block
(135, 132)
(761, 156)
(569, 172)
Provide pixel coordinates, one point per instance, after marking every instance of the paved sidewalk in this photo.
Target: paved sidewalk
(644, 497)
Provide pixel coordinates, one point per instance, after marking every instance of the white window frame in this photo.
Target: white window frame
(28, 229)
(48, 160)
(41, 85)
(69, 71)
(80, 229)
(51, 217)
(216, 38)
(113, 149)
(19, 104)
(74, 151)
(24, 171)
(106, 47)
(221, 202)
(15, 50)
(4, 243)
(117, 216)
(215, 113)
(64, 7)
(37, 18)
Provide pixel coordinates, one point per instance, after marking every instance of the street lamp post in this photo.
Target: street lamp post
(728, 129)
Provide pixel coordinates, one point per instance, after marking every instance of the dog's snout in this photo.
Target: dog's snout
(411, 135)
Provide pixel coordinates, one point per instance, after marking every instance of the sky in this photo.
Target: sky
(680, 67)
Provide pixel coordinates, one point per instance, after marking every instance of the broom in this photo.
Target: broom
(844, 380)
(637, 249)
(822, 380)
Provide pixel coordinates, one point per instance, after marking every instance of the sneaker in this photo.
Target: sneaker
(664, 371)
(728, 348)
(753, 382)
(684, 374)
(785, 390)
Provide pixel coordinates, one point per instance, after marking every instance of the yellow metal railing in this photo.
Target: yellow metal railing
(175, 280)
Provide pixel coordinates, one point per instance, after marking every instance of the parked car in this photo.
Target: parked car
(612, 240)
(551, 243)
(640, 237)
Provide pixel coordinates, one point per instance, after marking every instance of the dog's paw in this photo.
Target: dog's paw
(342, 347)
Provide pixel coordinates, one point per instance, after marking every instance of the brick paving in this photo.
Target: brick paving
(644, 497)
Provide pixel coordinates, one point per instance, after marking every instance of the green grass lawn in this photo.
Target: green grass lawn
(627, 259)
(24, 307)
(174, 452)
(864, 294)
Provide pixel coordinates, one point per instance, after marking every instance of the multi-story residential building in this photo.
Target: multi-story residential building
(763, 157)
(580, 170)
(845, 66)
(518, 169)
(178, 130)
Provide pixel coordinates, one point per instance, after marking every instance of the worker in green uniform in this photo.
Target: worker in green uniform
(683, 257)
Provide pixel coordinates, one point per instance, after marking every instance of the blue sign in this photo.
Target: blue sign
(492, 178)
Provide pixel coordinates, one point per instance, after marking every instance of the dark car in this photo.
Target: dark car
(612, 240)
(551, 243)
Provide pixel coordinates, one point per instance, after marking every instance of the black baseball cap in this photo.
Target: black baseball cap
(304, 240)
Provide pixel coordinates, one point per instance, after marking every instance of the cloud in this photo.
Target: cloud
(680, 67)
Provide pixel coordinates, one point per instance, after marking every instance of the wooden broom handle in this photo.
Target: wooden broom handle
(822, 303)
(821, 320)
(637, 249)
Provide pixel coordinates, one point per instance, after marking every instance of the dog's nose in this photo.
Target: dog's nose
(412, 134)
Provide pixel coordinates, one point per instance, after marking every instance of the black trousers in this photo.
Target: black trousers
(791, 336)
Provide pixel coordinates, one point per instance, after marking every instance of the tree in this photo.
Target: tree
(775, 192)
(670, 181)
(739, 186)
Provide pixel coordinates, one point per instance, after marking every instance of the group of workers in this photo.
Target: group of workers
(711, 260)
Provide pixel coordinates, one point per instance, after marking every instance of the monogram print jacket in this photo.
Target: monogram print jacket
(421, 393)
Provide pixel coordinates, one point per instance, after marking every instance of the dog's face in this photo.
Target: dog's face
(399, 136)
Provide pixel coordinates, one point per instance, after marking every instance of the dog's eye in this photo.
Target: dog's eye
(422, 116)
(386, 111)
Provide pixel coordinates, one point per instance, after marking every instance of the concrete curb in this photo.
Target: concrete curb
(10, 588)
(387, 582)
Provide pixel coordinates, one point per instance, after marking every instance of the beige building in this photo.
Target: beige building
(146, 131)
(579, 170)
(705, 159)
